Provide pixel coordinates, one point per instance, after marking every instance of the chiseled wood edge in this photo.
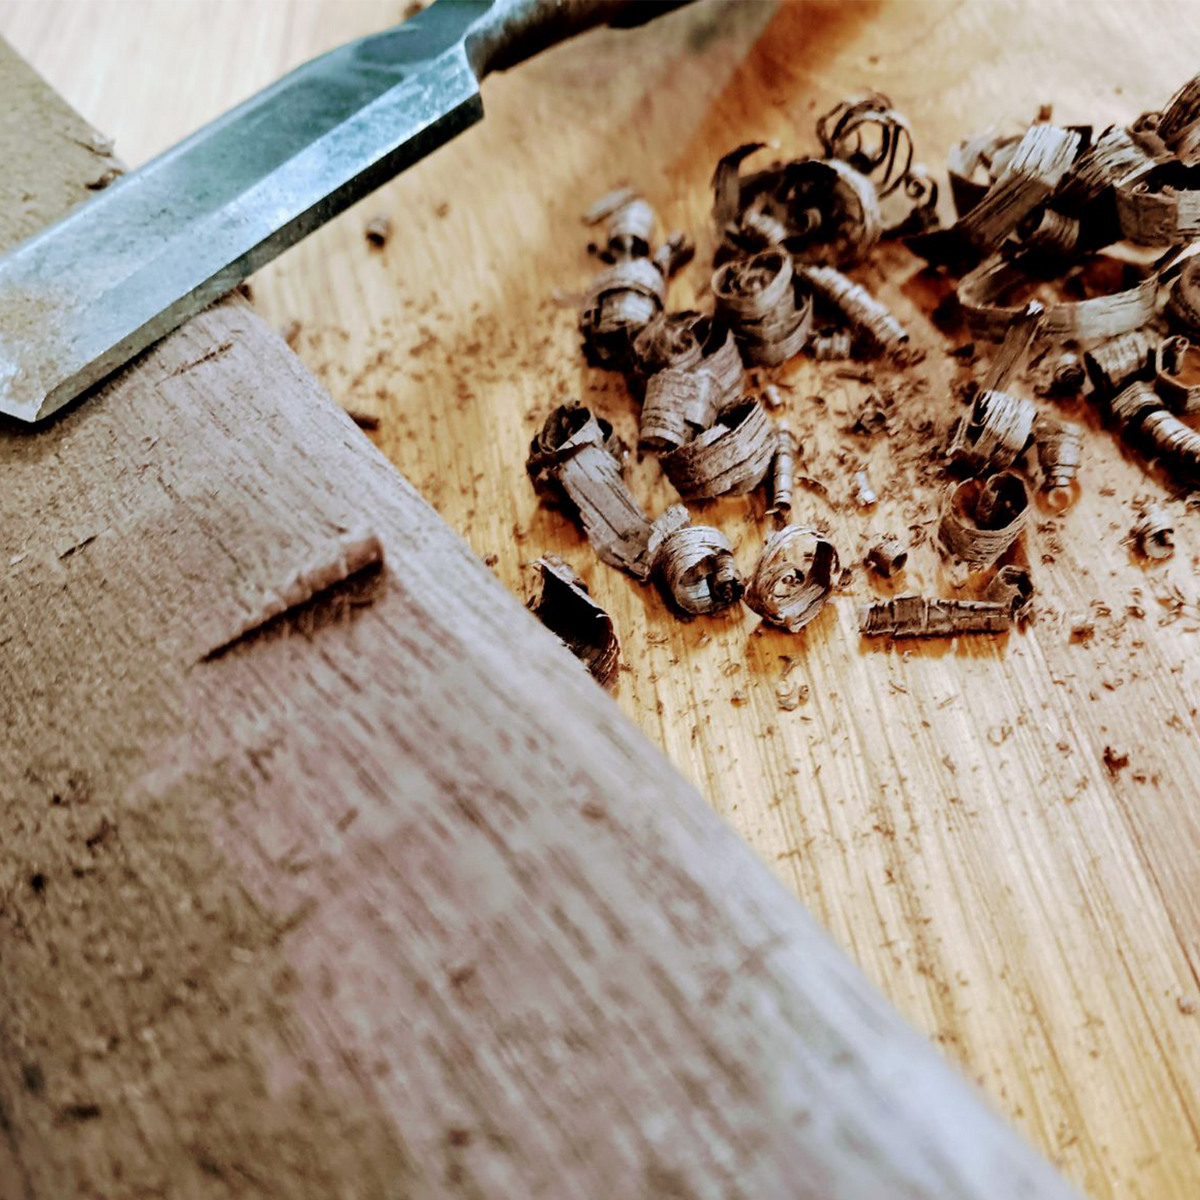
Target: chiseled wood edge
(391, 901)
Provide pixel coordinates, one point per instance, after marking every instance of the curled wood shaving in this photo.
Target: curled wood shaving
(689, 339)
(1017, 340)
(1130, 407)
(572, 461)
(870, 135)
(621, 302)
(1067, 374)
(1177, 374)
(793, 578)
(982, 291)
(1154, 535)
(875, 329)
(757, 298)
(670, 340)
(1060, 451)
(997, 431)
(981, 519)
(920, 616)
(695, 563)
(1114, 364)
(1176, 446)
(561, 602)
(1112, 160)
(988, 153)
(1012, 586)
(1160, 208)
(1037, 165)
(888, 557)
(1183, 304)
(1179, 126)
(819, 210)
(1048, 232)
(733, 456)
(679, 403)
(631, 224)
(783, 470)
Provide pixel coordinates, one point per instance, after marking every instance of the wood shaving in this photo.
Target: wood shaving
(679, 404)
(888, 557)
(997, 431)
(562, 603)
(1114, 364)
(757, 297)
(694, 563)
(783, 470)
(631, 225)
(982, 292)
(1177, 375)
(1179, 126)
(884, 155)
(1017, 340)
(674, 253)
(831, 347)
(1012, 585)
(919, 617)
(620, 303)
(1067, 374)
(875, 330)
(731, 457)
(793, 578)
(1154, 535)
(981, 519)
(1060, 451)
(820, 210)
(574, 462)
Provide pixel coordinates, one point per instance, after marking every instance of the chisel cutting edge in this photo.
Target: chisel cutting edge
(86, 294)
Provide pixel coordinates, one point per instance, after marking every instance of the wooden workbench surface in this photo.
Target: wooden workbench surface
(947, 812)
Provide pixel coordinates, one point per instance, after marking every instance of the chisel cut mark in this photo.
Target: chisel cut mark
(348, 556)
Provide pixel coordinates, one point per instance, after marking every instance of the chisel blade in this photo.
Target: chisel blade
(83, 296)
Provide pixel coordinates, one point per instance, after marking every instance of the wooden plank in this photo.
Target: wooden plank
(390, 900)
(960, 837)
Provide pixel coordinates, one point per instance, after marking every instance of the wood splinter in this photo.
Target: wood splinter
(793, 578)
(562, 603)
(350, 554)
(695, 563)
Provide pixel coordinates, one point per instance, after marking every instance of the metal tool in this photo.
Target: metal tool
(82, 297)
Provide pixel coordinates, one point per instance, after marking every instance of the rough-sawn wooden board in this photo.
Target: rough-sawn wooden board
(947, 813)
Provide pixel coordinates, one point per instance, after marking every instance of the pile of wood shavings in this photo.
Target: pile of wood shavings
(1038, 213)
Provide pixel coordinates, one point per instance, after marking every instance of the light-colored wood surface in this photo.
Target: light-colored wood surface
(388, 900)
(946, 812)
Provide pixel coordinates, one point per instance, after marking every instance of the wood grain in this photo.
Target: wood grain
(947, 813)
(387, 899)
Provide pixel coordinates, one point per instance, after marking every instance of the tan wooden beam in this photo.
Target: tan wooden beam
(390, 900)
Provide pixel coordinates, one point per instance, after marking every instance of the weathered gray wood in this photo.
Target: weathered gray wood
(391, 904)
